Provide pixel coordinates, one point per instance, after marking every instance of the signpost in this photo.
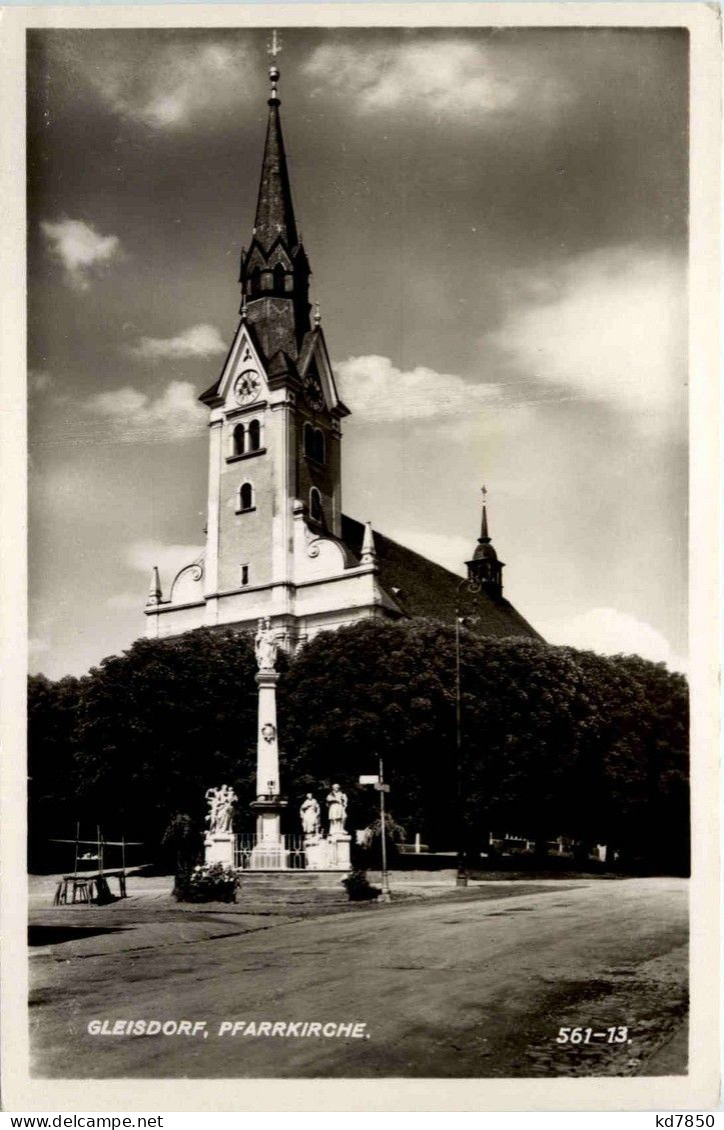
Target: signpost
(377, 781)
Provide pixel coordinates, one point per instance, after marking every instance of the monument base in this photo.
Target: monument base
(269, 852)
(269, 856)
(219, 848)
(328, 855)
(340, 846)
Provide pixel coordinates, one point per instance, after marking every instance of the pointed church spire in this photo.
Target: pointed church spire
(485, 569)
(275, 267)
(484, 537)
(274, 211)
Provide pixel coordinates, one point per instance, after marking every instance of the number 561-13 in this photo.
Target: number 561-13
(591, 1035)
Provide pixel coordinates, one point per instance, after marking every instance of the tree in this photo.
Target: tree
(160, 724)
(553, 740)
(52, 748)
(388, 689)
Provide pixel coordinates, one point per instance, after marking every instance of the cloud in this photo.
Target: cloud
(442, 78)
(197, 341)
(376, 389)
(143, 555)
(126, 601)
(166, 85)
(610, 632)
(80, 248)
(610, 327)
(134, 416)
(37, 647)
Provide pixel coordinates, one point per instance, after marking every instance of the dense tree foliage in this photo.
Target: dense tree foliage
(154, 728)
(553, 741)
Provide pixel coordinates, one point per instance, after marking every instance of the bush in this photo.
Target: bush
(214, 883)
(358, 888)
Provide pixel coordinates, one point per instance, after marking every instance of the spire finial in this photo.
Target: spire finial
(317, 314)
(273, 49)
(368, 556)
(243, 307)
(155, 595)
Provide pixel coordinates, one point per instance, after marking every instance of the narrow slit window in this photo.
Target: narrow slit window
(245, 574)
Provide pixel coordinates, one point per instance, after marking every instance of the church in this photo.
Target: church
(278, 544)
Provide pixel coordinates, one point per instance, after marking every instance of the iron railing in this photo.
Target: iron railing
(294, 854)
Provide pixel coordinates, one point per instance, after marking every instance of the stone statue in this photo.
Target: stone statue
(221, 809)
(309, 813)
(266, 646)
(336, 811)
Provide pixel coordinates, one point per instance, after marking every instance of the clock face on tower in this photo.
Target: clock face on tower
(247, 386)
(313, 391)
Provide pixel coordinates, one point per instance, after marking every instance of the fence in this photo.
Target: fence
(295, 855)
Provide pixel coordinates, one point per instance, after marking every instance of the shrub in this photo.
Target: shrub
(358, 888)
(213, 883)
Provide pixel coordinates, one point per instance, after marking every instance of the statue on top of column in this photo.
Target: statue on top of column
(265, 646)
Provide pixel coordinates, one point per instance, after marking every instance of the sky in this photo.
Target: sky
(496, 221)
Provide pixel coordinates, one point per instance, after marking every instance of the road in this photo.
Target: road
(468, 988)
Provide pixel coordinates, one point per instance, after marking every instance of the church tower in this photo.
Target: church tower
(274, 514)
(485, 569)
(277, 544)
(275, 413)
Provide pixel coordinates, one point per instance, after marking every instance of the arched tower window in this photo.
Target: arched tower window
(318, 445)
(279, 274)
(309, 441)
(239, 439)
(254, 435)
(315, 505)
(246, 497)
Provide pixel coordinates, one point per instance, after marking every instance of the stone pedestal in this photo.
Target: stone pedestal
(269, 853)
(317, 853)
(329, 854)
(339, 852)
(219, 848)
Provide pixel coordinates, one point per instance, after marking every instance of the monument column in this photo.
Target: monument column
(268, 853)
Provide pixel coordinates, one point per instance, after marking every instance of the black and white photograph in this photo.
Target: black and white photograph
(360, 479)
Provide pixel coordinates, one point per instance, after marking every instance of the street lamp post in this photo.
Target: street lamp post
(461, 878)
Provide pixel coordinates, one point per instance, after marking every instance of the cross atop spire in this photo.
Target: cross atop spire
(273, 49)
